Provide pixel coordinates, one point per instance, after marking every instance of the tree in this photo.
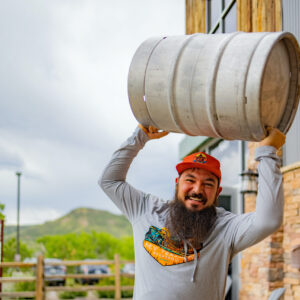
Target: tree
(68, 246)
(2, 217)
(126, 248)
(9, 250)
(86, 245)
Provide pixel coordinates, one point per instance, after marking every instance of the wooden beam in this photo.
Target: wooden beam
(272, 15)
(80, 288)
(83, 276)
(259, 13)
(195, 16)
(16, 265)
(252, 15)
(266, 15)
(39, 287)
(278, 15)
(80, 262)
(244, 22)
(17, 279)
(117, 277)
(87, 288)
(17, 294)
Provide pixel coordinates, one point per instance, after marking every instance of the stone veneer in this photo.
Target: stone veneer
(291, 229)
(266, 266)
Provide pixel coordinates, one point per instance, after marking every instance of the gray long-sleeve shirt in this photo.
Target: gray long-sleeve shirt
(155, 279)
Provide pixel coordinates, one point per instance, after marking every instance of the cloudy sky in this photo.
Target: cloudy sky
(64, 107)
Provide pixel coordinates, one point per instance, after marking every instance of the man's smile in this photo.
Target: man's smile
(197, 198)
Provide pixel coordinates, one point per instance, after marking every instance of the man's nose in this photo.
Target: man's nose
(198, 188)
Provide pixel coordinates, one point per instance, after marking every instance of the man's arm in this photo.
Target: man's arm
(113, 181)
(254, 227)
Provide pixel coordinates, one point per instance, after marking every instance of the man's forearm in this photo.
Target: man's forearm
(118, 166)
(253, 227)
(128, 199)
(269, 203)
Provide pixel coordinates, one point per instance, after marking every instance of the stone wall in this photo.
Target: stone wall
(266, 266)
(291, 228)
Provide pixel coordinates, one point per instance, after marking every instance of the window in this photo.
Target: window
(221, 16)
(227, 152)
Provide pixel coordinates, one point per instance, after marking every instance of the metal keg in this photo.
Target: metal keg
(220, 85)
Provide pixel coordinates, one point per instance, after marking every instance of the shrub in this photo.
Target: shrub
(9, 250)
(111, 281)
(26, 286)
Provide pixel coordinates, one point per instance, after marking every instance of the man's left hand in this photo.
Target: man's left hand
(274, 138)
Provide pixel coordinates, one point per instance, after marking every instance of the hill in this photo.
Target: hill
(78, 220)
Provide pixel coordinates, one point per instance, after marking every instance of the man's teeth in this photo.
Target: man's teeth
(196, 199)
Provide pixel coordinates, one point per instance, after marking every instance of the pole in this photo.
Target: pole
(17, 257)
(243, 168)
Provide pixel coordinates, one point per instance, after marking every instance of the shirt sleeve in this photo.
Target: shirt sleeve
(113, 180)
(251, 228)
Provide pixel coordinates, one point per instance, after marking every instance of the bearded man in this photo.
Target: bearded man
(183, 247)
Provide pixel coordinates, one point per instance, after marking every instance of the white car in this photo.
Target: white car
(129, 269)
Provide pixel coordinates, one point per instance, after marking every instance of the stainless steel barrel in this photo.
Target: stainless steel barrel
(221, 85)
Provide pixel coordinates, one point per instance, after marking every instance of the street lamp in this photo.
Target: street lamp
(249, 182)
(17, 256)
(295, 257)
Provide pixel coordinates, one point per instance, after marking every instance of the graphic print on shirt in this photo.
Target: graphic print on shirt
(164, 250)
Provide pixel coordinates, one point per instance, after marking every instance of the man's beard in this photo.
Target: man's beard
(184, 224)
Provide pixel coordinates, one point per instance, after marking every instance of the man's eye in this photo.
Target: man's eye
(209, 184)
(189, 180)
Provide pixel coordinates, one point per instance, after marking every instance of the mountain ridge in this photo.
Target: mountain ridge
(78, 220)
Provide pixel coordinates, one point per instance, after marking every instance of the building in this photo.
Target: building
(272, 263)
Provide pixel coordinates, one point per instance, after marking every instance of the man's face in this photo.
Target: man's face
(197, 189)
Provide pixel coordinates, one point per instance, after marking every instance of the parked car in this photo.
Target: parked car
(91, 269)
(129, 269)
(54, 270)
(51, 270)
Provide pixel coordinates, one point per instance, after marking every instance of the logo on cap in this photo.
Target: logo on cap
(200, 158)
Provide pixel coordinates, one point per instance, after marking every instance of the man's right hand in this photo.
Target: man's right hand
(153, 132)
(275, 138)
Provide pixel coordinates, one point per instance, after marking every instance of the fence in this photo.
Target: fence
(40, 278)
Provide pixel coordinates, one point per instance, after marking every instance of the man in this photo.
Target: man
(183, 247)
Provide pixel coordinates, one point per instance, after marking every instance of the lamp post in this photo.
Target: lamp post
(17, 256)
(249, 182)
(295, 257)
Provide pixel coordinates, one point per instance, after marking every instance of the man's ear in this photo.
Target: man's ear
(219, 191)
(176, 180)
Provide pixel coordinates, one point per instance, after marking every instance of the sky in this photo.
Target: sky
(64, 107)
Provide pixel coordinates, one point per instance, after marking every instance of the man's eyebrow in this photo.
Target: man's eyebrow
(190, 175)
(210, 179)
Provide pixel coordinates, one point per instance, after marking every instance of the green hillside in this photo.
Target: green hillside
(78, 220)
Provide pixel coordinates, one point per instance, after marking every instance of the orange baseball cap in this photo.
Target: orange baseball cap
(200, 160)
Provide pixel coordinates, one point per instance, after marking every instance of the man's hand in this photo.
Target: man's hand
(275, 138)
(153, 132)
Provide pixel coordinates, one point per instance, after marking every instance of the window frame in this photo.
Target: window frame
(212, 28)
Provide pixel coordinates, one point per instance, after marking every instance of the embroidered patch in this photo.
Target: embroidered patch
(164, 250)
(200, 158)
